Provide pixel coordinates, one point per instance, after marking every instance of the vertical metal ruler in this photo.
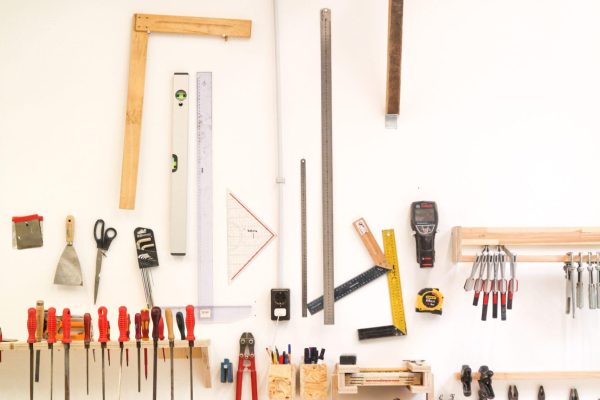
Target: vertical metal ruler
(395, 292)
(392, 100)
(304, 240)
(327, 167)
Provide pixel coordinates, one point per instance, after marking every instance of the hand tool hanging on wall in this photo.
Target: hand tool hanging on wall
(155, 314)
(246, 361)
(466, 379)
(513, 392)
(480, 281)
(145, 337)
(138, 344)
(68, 270)
(424, 222)
(190, 322)
(171, 336)
(592, 294)
(161, 334)
(579, 290)
(31, 326)
(486, 391)
(147, 256)
(27, 232)
(123, 337)
(430, 300)
(226, 371)
(179, 168)
(541, 393)
(103, 339)
(394, 60)
(66, 341)
(570, 284)
(503, 287)
(303, 233)
(39, 333)
(51, 328)
(513, 284)
(487, 287)
(103, 240)
(87, 338)
(573, 395)
(495, 287)
(327, 168)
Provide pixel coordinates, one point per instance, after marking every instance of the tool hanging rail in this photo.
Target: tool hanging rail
(482, 236)
(539, 375)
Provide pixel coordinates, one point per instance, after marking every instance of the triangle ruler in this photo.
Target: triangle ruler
(247, 236)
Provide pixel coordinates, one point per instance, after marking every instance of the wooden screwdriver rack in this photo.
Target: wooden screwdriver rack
(539, 375)
(463, 237)
(181, 350)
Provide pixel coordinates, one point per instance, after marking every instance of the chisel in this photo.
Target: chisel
(31, 325)
(161, 335)
(138, 337)
(39, 332)
(123, 337)
(51, 340)
(103, 339)
(155, 322)
(66, 341)
(145, 332)
(87, 338)
(171, 336)
(190, 322)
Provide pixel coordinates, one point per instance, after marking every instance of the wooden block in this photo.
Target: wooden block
(193, 25)
(313, 382)
(281, 382)
(395, 17)
(540, 375)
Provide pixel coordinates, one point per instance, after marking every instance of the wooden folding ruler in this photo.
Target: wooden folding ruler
(395, 291)
(143, 25)
(392, 100)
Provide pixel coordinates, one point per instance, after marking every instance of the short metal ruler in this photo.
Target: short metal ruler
(395, 293)
(327, 168)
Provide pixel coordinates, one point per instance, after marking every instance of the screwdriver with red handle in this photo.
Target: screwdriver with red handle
(190, 322)
(108, 336)
(123, 337)
(156, 318)
(145, 333)
(128, 333)
(138, 337)
(51, 327)
(161, 335)
(66, 341)
(87, 338)
(31, 325)
(103, 339)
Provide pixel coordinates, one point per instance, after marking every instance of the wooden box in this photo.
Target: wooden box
(313, 382)
(281, 382)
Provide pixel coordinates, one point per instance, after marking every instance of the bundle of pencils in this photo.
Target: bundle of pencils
(283, 358)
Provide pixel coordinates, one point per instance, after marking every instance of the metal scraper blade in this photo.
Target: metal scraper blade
(68, 270)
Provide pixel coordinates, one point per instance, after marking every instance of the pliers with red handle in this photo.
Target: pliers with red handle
(246, 361)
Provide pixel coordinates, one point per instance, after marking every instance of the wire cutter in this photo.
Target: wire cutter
(513, 393)
(246, 361)
(541, 393)
(573, 395)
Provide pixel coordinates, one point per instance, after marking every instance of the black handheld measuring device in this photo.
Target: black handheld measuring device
(424, 222)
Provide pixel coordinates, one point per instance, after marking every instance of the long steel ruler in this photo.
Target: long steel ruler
(327, 167)
(348, 287)
(179, 167)
(304, 237)
(395, 292)
(392, 100)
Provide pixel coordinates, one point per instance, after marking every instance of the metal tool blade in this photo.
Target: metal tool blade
(68, 270)
(31, 372)
(67, 373)
(99, 255)
(191, 377)
(103, 382)
(139, 368)
(87, 371)
(172, 347)
(120, 371)
(304, 240)
(154, 372)
(51, 372)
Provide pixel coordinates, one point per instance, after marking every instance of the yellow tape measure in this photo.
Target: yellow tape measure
(393, 276)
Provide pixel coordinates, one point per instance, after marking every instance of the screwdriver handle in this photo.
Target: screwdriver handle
(51, 325)
(122, 324)
(180, 324)
(39, 316)
(31, 325)
(169, 317)
(87, 327)
(155, 321)
(128, 325)
(66, 326)
(161, 329)
(102, 325)
(190, 322)
(137, 320)
(145, 323)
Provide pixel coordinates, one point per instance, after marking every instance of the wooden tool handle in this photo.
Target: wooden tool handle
(169, 317)
(70, 223)
(39, 319)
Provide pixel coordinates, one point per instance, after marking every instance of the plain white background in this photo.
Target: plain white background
(498, 125)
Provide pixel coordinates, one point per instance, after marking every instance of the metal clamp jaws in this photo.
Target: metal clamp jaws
(466, 378)
(513, 392)
(246, 344)
(246, 361)
(486, 391)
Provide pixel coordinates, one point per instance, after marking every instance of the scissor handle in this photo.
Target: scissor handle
(109, 235)
(103, 237)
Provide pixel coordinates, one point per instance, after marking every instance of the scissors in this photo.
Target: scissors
(103, 240)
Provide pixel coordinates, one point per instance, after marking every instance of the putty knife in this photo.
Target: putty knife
(68, 270)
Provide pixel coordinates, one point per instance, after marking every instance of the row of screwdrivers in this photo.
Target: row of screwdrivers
(142, 328)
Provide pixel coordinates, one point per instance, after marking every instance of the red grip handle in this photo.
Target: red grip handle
(161, 329)
(51, 325)
(123, 324)
(31, 325)
(155, 321)
(87, 328)
(138, 326)
(66, 326)
(102, 325)
(145, 323)
(190, 322)
(128, 325)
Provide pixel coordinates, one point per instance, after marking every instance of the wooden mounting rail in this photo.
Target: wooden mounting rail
(539, 375)
(143, 25)
(478, 237)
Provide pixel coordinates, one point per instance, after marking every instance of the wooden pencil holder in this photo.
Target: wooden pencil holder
(313, 382)
(282, 382)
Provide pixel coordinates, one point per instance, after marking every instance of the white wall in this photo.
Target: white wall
(498, 125)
